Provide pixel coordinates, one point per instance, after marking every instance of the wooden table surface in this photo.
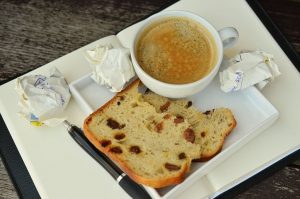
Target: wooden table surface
(35, 32)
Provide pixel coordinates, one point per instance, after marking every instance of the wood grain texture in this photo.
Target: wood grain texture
(7, 190)
(286, 15)
(35, 32)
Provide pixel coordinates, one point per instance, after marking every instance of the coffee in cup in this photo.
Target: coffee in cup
(176, 50)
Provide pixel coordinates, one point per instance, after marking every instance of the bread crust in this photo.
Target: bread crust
(156, 183)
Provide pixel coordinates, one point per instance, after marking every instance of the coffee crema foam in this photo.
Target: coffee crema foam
(176, 50)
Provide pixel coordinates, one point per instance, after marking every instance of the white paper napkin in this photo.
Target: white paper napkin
(111, 66)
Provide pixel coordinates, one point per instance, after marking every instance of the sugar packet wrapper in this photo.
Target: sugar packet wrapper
(249, 68)
(43, 99)
(111, 66)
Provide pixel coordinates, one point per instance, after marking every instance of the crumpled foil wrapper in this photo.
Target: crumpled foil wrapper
(43, 99)
(249, 68)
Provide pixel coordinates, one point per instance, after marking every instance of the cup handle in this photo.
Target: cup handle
(229, 36)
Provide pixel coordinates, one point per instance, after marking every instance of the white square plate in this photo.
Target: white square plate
(253, 113)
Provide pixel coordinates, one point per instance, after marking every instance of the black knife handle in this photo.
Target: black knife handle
(133, 189)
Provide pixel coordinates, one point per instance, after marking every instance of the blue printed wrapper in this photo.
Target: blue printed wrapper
(247, 69)
(43, 99)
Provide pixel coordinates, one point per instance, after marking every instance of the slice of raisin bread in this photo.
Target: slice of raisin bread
(150, 147)
(211, 127)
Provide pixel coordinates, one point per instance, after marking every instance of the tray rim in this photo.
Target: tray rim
(25, 186)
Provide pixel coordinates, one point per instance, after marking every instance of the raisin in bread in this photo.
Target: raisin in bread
(149, 146)
(211, 127)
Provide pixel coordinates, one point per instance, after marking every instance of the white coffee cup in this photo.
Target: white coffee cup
(224, 38)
